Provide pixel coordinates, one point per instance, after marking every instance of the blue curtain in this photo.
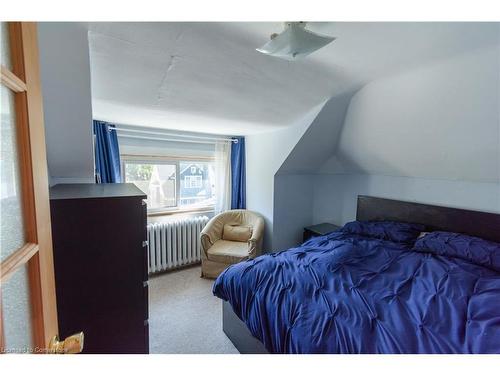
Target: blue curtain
(107, 153)
(238, 178)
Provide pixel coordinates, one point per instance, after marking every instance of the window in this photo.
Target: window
(193, 182)
(157, 180)
(172, 185)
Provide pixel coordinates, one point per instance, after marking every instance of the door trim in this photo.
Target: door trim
(24, 80)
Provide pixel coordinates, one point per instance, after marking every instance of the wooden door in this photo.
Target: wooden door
(28, 302)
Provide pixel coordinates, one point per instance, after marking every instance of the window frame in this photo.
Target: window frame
(170, 160)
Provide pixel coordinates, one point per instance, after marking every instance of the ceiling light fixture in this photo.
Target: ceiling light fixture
(294, 42)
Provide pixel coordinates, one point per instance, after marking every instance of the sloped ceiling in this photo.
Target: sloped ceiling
(440, 121)
(208, 77)
(436, 120)
(319, 141)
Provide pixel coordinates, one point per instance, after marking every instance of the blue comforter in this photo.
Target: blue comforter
(346, 293)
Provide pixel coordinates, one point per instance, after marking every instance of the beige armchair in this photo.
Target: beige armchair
(230, 237)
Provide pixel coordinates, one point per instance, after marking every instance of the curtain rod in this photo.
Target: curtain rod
(175, 140)
(151, 132)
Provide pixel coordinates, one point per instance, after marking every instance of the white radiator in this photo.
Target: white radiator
(174, 244)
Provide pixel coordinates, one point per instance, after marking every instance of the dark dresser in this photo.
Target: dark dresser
(100, 260)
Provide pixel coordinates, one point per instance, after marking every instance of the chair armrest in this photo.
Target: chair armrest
(206, 242)
(255, 242)
(253, 248)
(211, 233)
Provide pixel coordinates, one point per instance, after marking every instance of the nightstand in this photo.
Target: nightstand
(319, 230)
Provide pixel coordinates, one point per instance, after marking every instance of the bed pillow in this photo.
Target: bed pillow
(237, 233)
(385, 230)
(473, 249)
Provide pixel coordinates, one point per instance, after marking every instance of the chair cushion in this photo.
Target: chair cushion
(229, 252)
(238, 233)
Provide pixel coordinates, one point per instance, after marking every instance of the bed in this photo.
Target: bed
(352, 293)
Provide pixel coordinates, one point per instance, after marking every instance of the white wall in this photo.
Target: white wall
(265, 153)
(65, 76)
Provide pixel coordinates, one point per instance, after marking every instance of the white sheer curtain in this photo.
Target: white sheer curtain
(222, 176)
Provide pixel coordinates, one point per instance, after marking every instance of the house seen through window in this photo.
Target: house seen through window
(173, 184)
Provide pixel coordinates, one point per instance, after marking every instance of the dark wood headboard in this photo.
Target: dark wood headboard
(474, 223)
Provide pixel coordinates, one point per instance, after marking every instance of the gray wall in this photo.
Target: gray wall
(293, 209)
(335, 195)
(431, 134)
(435, 121)
(293, 182)
(65, 76)
(265, 153)
(320, 140)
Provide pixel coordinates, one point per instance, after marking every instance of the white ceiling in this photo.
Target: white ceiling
(208, 77)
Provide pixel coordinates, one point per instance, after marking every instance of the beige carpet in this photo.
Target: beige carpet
(184, 316)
